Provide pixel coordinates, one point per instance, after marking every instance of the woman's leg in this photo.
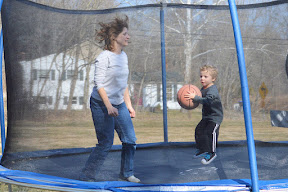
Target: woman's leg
(126, 133)
(104, 127)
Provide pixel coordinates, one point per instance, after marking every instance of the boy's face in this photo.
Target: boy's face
(206, 79)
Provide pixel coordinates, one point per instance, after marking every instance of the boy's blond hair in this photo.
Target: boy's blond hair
(211, 69)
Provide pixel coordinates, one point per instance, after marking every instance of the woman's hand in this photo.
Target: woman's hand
(132, 112)
(128, 103)
(112, 111)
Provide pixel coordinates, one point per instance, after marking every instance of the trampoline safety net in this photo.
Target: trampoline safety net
(49, 64)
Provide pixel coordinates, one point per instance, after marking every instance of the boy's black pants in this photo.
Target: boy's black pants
(206, 135)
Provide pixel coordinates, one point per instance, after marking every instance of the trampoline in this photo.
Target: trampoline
(49, 54)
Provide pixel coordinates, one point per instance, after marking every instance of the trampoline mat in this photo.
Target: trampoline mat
(159, 165)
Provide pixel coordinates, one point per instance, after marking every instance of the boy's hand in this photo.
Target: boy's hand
(190, 95)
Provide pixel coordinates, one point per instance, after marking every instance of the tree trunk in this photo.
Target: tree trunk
(74, 79)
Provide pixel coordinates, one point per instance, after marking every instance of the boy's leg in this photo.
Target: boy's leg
(212, 132)
(200, 139)
(201, 136)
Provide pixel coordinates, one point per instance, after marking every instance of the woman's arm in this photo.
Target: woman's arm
(112, 111)
(128, 103)
(101, 66)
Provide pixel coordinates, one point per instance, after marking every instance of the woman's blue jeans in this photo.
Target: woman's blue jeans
(104, 127)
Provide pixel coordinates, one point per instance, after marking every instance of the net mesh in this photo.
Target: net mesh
(49, 57)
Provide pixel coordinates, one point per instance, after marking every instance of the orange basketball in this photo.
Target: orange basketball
(184, 102)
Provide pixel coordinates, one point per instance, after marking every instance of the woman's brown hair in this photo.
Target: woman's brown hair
(109, 31)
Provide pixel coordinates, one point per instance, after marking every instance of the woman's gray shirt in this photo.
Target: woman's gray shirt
(111, 73)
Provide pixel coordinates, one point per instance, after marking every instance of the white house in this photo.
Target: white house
(50, 84)
(51, 76)
(152, 89)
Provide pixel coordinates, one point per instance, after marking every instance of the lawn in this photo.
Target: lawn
(76, 130)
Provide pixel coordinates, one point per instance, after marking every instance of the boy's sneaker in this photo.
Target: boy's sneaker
(130, 179)
(199, 153)
(208, 158)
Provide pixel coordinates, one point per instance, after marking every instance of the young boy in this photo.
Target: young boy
(207, 130)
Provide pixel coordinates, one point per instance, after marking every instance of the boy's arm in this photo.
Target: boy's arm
(210, 97)
(204, 100)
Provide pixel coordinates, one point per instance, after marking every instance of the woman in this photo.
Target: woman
(110, 102)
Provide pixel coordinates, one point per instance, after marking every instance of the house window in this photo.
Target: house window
(43, 74)
(34, 74)
(42, 100)
(169, 92)
(50, 100)
(175, 92)
(63, 75)
(65, 101)
(158, 93)
(74, 100)
(81, 75)
(81, 100)
(69, 74)
(53, 75)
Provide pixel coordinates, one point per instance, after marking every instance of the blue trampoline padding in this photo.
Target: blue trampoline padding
(274, 184)
(46, 180)
(19, 177)
(24, 177)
